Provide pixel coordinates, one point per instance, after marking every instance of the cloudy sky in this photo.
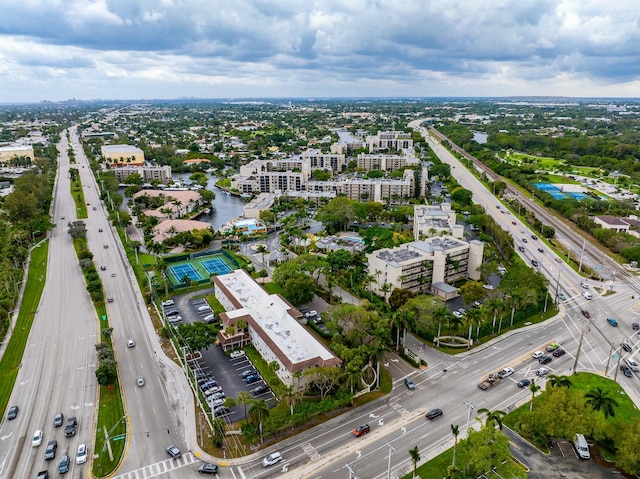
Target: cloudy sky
(139, 49)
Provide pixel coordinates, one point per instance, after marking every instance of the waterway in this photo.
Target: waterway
(226, 207)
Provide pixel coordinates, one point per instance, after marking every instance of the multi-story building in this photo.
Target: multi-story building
(118, 155)
(271, 326)
(177, 203)
(369, 162)
(425, 266)
(435, 220)
(389, 140)
(8, 153)
(382, 190)
(149, 174)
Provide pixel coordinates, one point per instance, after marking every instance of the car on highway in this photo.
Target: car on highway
(71, 427)
(82, 454)
(63, 465)
(37, 438)
(113, 275)
(50, 451)
(99, 230)
(540, 250)
(626, 346)
(559, 352)
(613, 322)
(513, 223)
(524, 240)
(409, 383)
(584, 284)
(505, 373)
(109, 299)
(552, 346)
(131, 343)
(523, 383)
(535, 263)
(58, 420)
(361, 430)
(562, 297)
(207, 468)
(271, 459)
(585, 313)
(626, 370)
(103, 268)
(238, 353)
(537, 355)
(542, 371)
(43, 475)
(632, 364)
(558, 260)
(173, 451)
(521, 249)
(534, 237)
(13, 413)
(544, 359)
(434, 413)
(140, 382)
(636, 326)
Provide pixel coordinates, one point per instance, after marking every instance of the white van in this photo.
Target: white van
(271, 459)
(582, 447)
(587, 295)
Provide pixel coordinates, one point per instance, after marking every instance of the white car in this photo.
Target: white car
(140, 382)
(505, 373)
(542, 372)
(585, 285)
(214, 403)
(37, 438)
(632, 364)
(487, 286)
(168, 302)
(310, 314)
(131, 343)
(238, 353)
(538, 354)
(271, 459)
(457, 314)
(82, 454)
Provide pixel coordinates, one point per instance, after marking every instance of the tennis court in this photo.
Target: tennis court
(557, 193)
(180, 270)
(215, 265)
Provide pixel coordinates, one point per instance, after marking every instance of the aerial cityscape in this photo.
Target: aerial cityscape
(319, 240)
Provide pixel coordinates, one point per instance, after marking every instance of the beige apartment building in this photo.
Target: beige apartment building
(149, 174)
(435, 220)
(369, 162)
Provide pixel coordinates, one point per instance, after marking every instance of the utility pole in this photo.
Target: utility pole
(584, 244)
(575, 363)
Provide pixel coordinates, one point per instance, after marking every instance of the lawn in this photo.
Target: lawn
(110, 418)
(10, 364)
(78, 198)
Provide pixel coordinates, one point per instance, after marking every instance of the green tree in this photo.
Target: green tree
(198, 335)
(455, 430)
(534, 388)
(106, 374)
(494, 418)
(414, 454)
(554, 380)
(244, 398)
(599, 400)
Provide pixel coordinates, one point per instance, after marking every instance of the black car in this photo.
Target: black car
(221, 411)
(535, 263)
(559, 352)
(434, 413)
(523, 383)
(626, 346)
(259, 390)
(50, 452)
(43, 475)
(586, 313)
(626, 370)
(636, 326)
(361, 430)
(208, 469)
(13, 413)
(63, 466)
(544, 359)
(58, 420)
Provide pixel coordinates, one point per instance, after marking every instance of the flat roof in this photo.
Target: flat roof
(123, 148)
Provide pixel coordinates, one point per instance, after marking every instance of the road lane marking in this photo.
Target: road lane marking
(154, 470)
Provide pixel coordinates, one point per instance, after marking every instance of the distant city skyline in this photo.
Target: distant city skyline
(166, 49)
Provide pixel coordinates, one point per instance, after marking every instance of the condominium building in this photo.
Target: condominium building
(435, 220)
(382, 190)
(369, 162)
(423, 266)
(389, 140)
(149, 174)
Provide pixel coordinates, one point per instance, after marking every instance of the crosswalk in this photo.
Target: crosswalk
(154, 470)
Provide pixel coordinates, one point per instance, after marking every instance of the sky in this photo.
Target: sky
(162, 49)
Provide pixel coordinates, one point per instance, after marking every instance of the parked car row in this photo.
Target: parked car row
(250, 375)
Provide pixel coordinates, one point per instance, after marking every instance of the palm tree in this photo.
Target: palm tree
(414, 454)
(534, 388)
(473, 317)
(259, 412)
(599, 400)
(554, 380)
(455, 430)
(262, 249)
(494, 417)
(439, 315)
(496, 306)
(244, 398)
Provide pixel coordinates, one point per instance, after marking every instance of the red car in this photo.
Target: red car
(360, 430)
(585, 313)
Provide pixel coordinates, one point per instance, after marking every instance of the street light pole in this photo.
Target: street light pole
(392, 451)
(575, 363)
(470, 407)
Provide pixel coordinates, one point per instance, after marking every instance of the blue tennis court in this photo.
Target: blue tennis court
(215, 265)
(179, 271)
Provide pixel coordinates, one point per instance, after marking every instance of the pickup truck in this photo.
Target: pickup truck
(489, 381)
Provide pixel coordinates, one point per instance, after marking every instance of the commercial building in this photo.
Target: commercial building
(149, 174)
(435, 220)
(271, 326)
(420, 266)
(118, 155)
(9, 153)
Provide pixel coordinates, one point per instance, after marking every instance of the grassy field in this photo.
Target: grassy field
(78, 198)
(10, 364)
(110, 417)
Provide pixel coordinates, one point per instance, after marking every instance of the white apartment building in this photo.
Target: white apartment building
(272, 328)
(148, 173)
(435, 220)
(421, 266)
(389, 140)
(379, 161)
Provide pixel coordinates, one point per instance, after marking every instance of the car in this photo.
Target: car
(535, 263)
(103, 268)
(131, 343)
(632, 364)
(498, 206)
(62, 217)
(252, 378)
(505, 373)
(585, 313)
(58, 420)
(82, 454)
(409, 383)
(542, 372)
(216, 402)
(71, 427)
(521, 249)
(487, 286)
(109, 299)
(558, 260)
(168, 302)
(140, 382)
(238, 353)
(37, 438)
(361, 430)
(513, 223)
(552, 346)
(50, 451)
(559, 352)
(105, 246)
(260, 390)
(626, 346)
(218, 394)
(477, 304)
(99, 230)
(626, 370)
(540, 250)
(457, 314)
(562, 297)
(545, 359)
(221, 411)
(13, 413)
(271, 459)
(612, 322)
(43, 475)
(584, 284)
(534, 237)
(171, 312)
(636, 326)
(537, 355)
(113, 275)
(207, 468)
(208, 384)
(521, 230)
(248, 372)
(524, 240)
(587, 295)
(212, 390)
(174, 452)
(310, 314)
(523, 383)
(434, 413)
(63, 465)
